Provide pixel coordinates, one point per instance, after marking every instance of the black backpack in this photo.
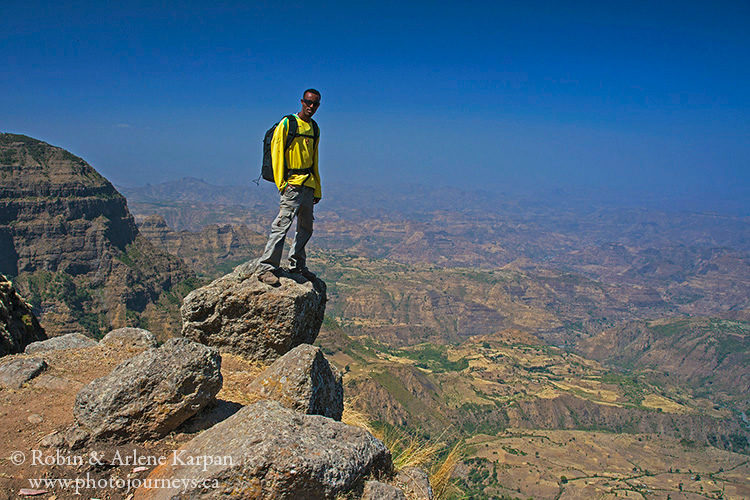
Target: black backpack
(266, 170)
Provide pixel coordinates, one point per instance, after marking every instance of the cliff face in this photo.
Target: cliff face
(48, 197)
(72, 246)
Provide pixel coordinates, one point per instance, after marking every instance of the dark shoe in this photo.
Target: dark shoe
(269, 278)
(306, 273)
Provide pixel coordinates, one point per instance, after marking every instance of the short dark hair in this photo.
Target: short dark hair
(312, 91)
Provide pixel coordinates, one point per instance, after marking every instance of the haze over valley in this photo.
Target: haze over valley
(512, 312)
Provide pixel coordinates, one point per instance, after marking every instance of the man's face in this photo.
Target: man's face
(310, 103)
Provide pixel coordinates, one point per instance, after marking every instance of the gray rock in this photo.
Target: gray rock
(129, 338)
(266, 451)
(303, 380)
(148, 395)
(18, 371)
(35, 418)
(69, 341)
(76, 437)
(54, 439)
(239, 314)
(18, 325)
(414, 482)
(375, 490)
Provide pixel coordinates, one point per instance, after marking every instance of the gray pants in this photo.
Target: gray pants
(296, 201)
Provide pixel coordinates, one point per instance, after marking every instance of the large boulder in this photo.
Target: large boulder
(148, 395)
(238, 314)
(266, 451)
(69, 341)
(303, 380)
(18, 325)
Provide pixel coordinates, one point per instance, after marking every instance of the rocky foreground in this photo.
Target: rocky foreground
(286, 441)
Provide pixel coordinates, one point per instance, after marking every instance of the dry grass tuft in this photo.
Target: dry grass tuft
(238, 373)
(357, 418)
(408, 450)
(442, 472)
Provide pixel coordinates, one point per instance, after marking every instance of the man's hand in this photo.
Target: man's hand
(315, 201)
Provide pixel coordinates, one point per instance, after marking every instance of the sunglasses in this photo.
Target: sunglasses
(310, 102)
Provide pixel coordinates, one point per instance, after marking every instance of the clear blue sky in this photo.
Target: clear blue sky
(647, 95)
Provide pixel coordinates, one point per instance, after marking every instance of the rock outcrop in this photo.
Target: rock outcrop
(238, 314)
(69, 341)
(270, 452)
(64, 232)
(304, 381)
(18, 325)
(148, 395)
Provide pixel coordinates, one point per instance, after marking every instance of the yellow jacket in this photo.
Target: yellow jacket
(302, 153)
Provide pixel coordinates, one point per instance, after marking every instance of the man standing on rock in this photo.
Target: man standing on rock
(294, 153)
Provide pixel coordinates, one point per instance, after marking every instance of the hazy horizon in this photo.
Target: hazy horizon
(633, 99)
(732, 203)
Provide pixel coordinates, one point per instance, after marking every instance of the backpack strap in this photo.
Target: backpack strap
(292, 130)
(316, 131)
(316, 134)
(292, 133)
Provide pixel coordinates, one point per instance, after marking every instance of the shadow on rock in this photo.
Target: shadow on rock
(217, 412)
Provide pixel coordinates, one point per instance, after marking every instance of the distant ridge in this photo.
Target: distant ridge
(191, 189)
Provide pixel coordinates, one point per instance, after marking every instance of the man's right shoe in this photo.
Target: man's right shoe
(305, 272)
(269, 278)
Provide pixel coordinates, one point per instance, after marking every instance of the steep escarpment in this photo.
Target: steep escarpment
(47, 193)
(72, 247)
(570, 412)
